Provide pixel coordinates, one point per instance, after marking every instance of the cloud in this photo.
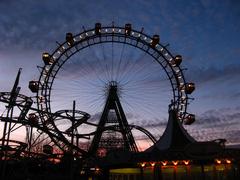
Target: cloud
(217, 123)
(216, 86)
(33, 24)
(213, 74)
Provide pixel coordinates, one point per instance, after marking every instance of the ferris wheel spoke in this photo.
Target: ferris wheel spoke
(96, 99)
(107, 71)
(133, 69)
(120, 62)
(138, 105)
(98, 60)
(125, 67)
(127, 78)
(112, 52)
(95, 72)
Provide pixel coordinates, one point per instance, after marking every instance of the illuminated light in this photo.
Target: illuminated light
(161, 49)
(45, 71)
(189, 119)
(228, 161)
(86, 34)
(80, 37)
(45, 117)
(186, 162)
(45, 55)
(145, 38)
(153, 164)
(164, 163)
(143, 164)
(69, 39)
(166, 54)
(97, 169)
(42, 82)
(62, 48)
(33, 86)
(183, 99)
(218, 161)
(177, 60)
(128, 29)
(175, 163)
(189, 88)
(177, 71)
(125, 171)
(119, 30)
(155, 40)
(98, 27)
(46, 58)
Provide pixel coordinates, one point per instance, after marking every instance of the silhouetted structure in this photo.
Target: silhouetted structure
(114, 115)
(113, 152)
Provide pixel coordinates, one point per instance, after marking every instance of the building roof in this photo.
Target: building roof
(174, 137)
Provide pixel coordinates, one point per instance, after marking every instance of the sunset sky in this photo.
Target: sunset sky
(206, 33)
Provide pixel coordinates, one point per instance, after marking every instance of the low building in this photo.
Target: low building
(176, 155)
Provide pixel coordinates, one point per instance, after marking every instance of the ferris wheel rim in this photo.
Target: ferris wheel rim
(46, 92)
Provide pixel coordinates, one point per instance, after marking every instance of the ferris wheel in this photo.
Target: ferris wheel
(120, 66)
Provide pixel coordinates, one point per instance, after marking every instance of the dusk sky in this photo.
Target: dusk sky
(206, 33)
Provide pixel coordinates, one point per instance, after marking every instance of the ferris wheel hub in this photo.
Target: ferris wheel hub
(113, 84)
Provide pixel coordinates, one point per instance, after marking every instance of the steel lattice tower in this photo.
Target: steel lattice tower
(121, 124)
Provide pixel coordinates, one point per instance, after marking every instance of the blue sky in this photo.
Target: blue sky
(205, 33)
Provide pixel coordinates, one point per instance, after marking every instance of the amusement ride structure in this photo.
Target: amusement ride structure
(99, 71)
